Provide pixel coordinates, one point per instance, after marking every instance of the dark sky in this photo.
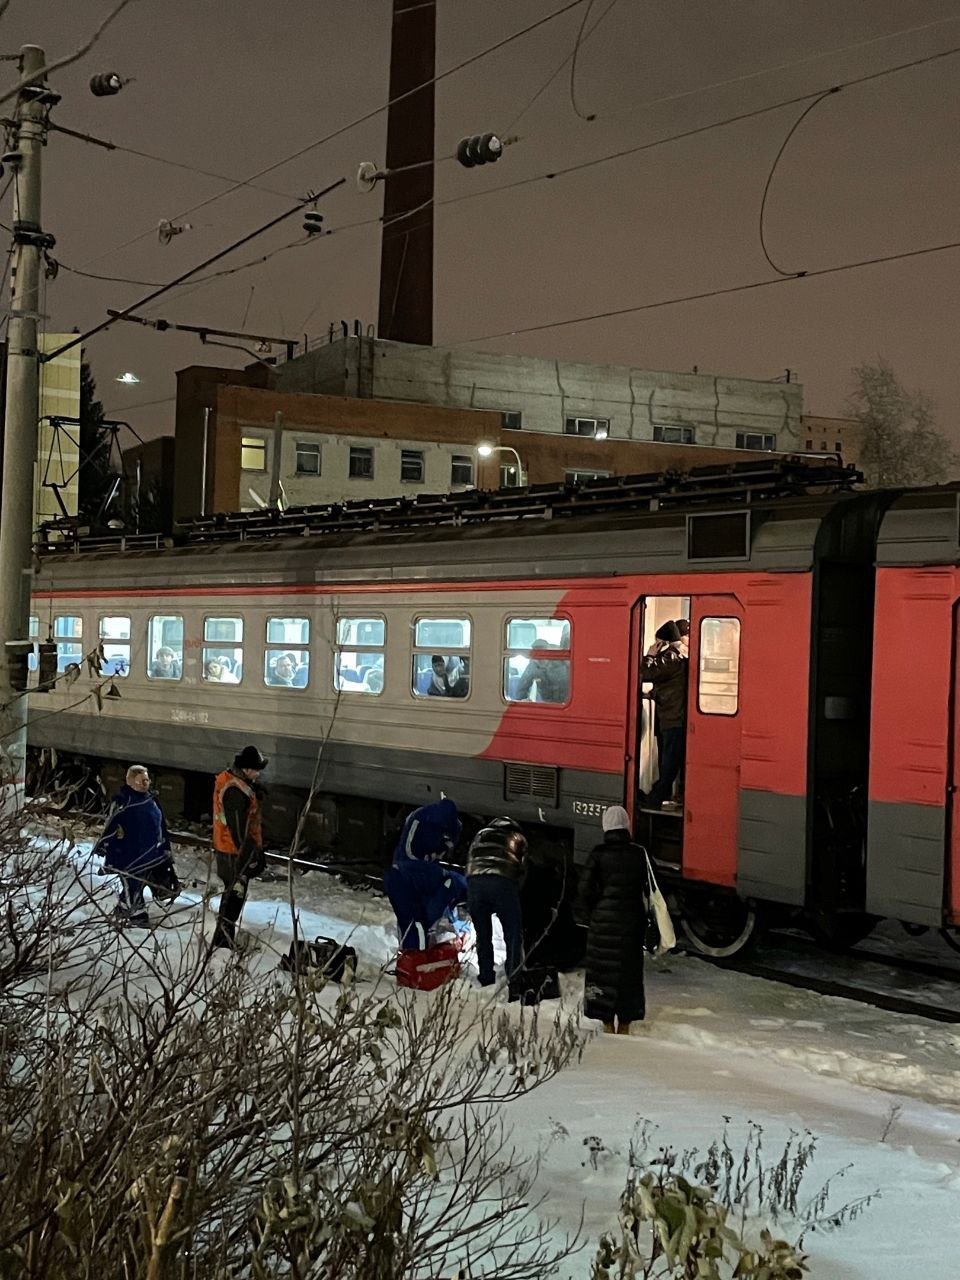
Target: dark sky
(233, 86)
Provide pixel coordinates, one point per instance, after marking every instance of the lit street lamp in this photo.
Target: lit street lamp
(488, 450)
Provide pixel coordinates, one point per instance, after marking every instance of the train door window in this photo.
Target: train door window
(358, 660)
(33, 660)
(222, 650)
(165, 647)
(536, 661)
(68, 633)
(718, 680)
(115, 646)
(286, 659)
(441, 658)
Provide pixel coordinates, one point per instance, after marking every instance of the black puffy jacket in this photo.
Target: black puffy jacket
(667, 672)
(498, 851)
(613, 904)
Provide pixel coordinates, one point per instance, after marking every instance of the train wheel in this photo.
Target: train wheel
(718, 925)
(951, 936)
(842, 931)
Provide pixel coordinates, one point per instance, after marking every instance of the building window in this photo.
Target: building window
(253, 453)
(511, 420)
(165, 647)
(718, 685)
(536, 660)
(68, 632)
(115, 644)
(809, 445)
(222, 650)
(756, 440)
(823, 446)
(461, 469)
(286, 659)
(308, 458)
(361, 462)
(682, 434)
(838, 446)
(441, 658)
(411, 466)
(578, 474)
(599, 428)
(509, 476)
(359, 655)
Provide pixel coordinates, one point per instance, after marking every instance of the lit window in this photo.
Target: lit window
(461, 469)
(308, 458)
(165, 647)
(511, 420)
(68, 633)
(253, 453)
(756, 440)
(115, 644)
(536, 660)
(509, 476)
(286, 658)
(718, 685)
(441, 658)
(358, 665)
(598, 427)
(222, 651)
(674, 434)
(361, 463)
(411, 466)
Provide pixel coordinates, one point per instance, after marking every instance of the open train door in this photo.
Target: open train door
(712, 786)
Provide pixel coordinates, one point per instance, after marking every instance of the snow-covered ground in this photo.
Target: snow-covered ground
(880, 1091)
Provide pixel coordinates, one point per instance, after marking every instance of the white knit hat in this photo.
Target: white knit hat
(615, 819)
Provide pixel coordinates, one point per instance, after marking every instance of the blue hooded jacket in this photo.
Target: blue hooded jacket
(135, 837)
(429, 833)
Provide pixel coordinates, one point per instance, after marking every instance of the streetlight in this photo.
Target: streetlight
(488, 450)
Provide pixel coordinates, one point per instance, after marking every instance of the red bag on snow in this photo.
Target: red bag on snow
(430, 968)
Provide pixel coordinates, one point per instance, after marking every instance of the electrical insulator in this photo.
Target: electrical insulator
(482, 148)
(313, 223)
(106, 84)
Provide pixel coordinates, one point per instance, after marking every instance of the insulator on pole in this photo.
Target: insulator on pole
(482, 148)
(106, 84)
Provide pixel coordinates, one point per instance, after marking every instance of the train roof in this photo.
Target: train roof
(921, 527)
(766, 514)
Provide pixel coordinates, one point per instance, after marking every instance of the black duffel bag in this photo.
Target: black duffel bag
(331, 958)
(537, 982)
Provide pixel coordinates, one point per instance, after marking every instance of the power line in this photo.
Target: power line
(720, 293)
(369, 115)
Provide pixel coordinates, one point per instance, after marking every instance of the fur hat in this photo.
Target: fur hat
(615, 818)
(250, 758)
(669, 632)
(683, 626)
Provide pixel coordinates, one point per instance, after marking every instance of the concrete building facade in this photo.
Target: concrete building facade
(555, 397)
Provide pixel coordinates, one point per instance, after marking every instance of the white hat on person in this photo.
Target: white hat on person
(615, 818)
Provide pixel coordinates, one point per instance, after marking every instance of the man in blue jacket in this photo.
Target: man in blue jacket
(419, 888)
(136, 845)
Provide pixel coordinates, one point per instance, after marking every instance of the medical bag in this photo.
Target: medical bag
(430, 968)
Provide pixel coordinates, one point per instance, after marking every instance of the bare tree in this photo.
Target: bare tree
(901, 445)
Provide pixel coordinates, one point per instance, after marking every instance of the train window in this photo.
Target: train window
(165, 647)
(358, 661)
(536, 661)
(115, 646)
(68, 633)
(286, 660)
(441, 658)
(718, 684)
(222, 650)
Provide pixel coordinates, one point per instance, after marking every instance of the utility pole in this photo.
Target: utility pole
(20, 430)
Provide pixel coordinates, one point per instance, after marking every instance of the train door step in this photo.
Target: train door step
(669, 810)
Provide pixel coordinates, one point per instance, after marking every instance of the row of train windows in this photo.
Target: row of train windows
(535, 664)
(536, 660)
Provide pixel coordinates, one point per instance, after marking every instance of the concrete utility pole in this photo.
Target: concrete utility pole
(20, 432)
(406, 244)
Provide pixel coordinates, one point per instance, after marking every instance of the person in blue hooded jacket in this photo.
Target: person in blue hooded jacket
(420, 890)
(136, 845)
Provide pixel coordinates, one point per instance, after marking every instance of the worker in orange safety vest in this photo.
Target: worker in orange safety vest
(237, 838)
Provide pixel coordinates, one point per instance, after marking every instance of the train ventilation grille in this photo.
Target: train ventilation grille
(531, 781)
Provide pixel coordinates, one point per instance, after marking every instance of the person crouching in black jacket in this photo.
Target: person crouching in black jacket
(495, 869)
(614, 894)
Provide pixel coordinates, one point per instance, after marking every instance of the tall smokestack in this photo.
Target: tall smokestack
(406, 245)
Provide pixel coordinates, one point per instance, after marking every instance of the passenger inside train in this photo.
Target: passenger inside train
(664, 672)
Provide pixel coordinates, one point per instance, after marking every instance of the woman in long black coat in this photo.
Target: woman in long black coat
(614, 892)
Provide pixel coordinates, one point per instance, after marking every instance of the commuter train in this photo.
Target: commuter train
(487, 646)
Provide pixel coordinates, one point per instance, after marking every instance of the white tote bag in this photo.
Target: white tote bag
(658, 918)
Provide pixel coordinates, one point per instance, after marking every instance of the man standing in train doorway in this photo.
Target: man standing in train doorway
(237, 838)
(667, 672)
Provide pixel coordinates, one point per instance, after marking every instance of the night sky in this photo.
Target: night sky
(234, 86)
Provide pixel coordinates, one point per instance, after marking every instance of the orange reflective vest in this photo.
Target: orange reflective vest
(223, 841)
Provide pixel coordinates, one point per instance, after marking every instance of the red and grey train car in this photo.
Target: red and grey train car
(773, 567)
